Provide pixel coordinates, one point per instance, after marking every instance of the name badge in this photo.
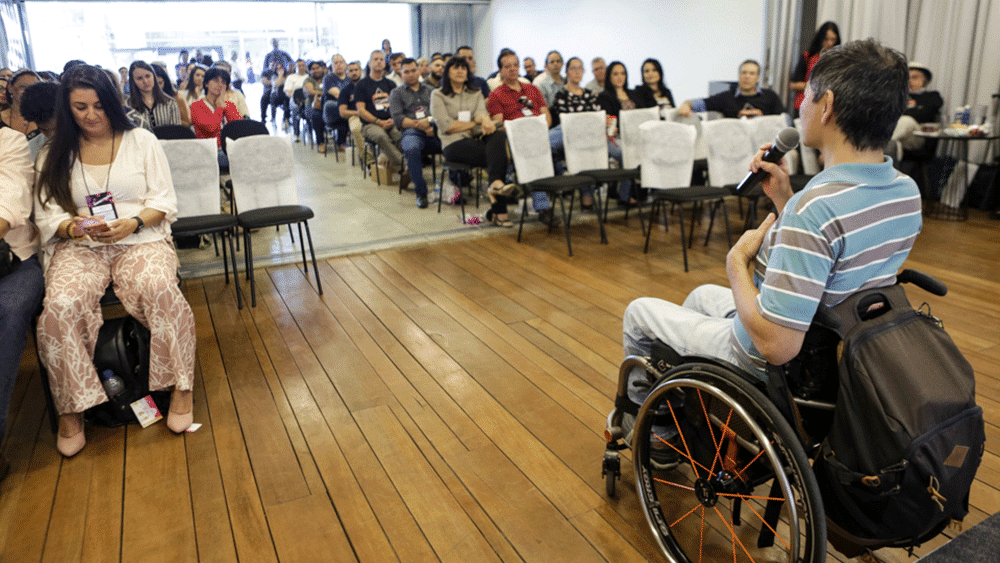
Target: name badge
(527, 112)
(420, 114)
(102, 205)
(379, 107)
(465, 115)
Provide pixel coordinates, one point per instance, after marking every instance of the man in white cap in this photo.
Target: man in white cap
(923, 106)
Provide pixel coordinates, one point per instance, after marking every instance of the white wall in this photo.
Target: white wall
(696, 41)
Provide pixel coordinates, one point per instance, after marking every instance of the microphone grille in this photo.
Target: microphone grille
(787, 139)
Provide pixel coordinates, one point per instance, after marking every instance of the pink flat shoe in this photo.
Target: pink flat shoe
(178, 423)
(69, 446)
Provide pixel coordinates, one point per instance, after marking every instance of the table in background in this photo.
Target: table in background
(951, 205)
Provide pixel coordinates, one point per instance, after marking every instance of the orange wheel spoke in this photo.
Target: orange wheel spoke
(747, 466)
(683, 439)
(773, 531)
(701, 539)
(684, 455)
(689, 512)
(678, 485)
(729, 495)
(735, 539)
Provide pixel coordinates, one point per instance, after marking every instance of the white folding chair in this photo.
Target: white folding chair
(810, 156)
(667, 162)
(731, 147)
(264, 184)
(765, 128)
(531, 153)
(585, 143)
(194, 169)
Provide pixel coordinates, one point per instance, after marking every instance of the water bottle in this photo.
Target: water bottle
(114, 386)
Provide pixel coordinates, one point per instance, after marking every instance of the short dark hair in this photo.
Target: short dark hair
(396, 56)
(316, 62)
(749, 61)
(297, 60)
(504, 53)
(870, 85)
(38, 102)
(213, 73)
(408, 60)
(435, 56)
(71, 64)
(463, 48)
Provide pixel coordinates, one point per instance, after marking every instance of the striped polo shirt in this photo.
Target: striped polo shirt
(850, 229)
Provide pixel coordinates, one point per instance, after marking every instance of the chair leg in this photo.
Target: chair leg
(600, 219)
(657, 204)
(236, 278)
(684, 246)
(695, 208)
(567, 217)
(319, 287)
(250, 272)
(441, 189)
(305, 264)
(725, 219)
(215, 243)
(524, 211)
(291, 234)
(225, 258)
(711, 220)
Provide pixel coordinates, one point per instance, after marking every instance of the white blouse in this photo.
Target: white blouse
(15, 193)
(139, 178)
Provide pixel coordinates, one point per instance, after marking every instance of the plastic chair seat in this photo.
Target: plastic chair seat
(611, 174)
(694, 193)
(560, 184)
(273, 216)
(203, 224)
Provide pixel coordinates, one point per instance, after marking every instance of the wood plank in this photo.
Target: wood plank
(102, 533)
(307, 530)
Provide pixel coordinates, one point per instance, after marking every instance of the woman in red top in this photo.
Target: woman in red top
(827, 36)
(210, 113)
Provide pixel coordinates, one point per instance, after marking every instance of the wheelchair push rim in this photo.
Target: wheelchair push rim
(752, 464)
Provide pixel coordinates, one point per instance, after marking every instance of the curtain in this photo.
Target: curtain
(958, 41)
(781, 36)
(444, 28)
(14, 52)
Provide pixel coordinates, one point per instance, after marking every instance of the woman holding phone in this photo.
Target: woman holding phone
(104, 203)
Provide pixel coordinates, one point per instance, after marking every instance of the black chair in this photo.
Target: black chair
(473, 171)
(264, 180)
(164, 132)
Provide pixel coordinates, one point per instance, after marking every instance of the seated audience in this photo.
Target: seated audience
(923, 106)
(497, 80)
(5, 74)
(123, 79)
(477, 82)
(11, 116)
(551, 81)
(469, 135)
(210, 113)
(423, 68)
(333, 84)
(410, 107)
(513, 100)
(168, 88)
(747, 99)
(232, 94)
(292, 83)
(266, 78)
(597, 68)
(279, 98)
(38, 105)
(195, 87)
(371, 94)
(436, 69)
(21, 289)
(653, 92)
(152, 107)
(347, 107)
(529, 69)
(180, 69)
(616, 97)
(97, 151)
(851, 228)
(572, 99)
(313, 87)
(395, 61)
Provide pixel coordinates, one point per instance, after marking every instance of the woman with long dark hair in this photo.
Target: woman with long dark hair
(616, 97)
(468, 134)
(163, 81)
(104, 204)
(653, 92)
(827, 36)
(150, 103)
(195, 88)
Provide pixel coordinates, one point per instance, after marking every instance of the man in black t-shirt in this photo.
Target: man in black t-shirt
(748, 99)
(371, 94)
(345, 116)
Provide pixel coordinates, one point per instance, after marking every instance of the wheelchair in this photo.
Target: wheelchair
(743, 488)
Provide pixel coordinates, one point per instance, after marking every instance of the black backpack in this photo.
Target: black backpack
(907, 437)
(123, 348)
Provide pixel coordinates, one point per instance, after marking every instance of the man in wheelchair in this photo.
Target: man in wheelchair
(850, 229)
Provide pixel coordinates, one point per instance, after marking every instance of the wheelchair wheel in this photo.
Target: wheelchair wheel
(742, 488)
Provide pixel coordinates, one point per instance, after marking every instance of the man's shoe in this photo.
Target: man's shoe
(422, 201)
(404, 180)
(298, 139)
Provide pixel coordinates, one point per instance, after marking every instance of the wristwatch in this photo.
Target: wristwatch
(141, 224)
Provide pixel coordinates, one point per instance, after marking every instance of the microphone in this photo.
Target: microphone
(786, 140)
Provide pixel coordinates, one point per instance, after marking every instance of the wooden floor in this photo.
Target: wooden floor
(437, 403)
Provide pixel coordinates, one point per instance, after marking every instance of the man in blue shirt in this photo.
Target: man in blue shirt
(747, 99)
(850, 228)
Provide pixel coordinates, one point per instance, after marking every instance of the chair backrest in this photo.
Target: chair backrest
(667, 154)
(241, 128)
(194, 169)
(730, 149)
(529, 148)
(700, 145)
(631, 139)
(585, 140)
(263, 172)
(765, 129)
(810, 156)
(173, 132)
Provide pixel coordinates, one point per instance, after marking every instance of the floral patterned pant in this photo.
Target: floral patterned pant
(145, 280)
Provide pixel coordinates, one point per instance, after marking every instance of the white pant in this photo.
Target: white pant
(702, 326)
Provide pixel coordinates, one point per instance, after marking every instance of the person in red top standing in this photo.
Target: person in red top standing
(827, 36)
(210, 113)
(512, 100)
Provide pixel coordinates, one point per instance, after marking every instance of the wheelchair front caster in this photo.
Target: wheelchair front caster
(611, 470)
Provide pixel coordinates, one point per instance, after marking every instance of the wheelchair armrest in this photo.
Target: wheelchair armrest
(924, 281)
